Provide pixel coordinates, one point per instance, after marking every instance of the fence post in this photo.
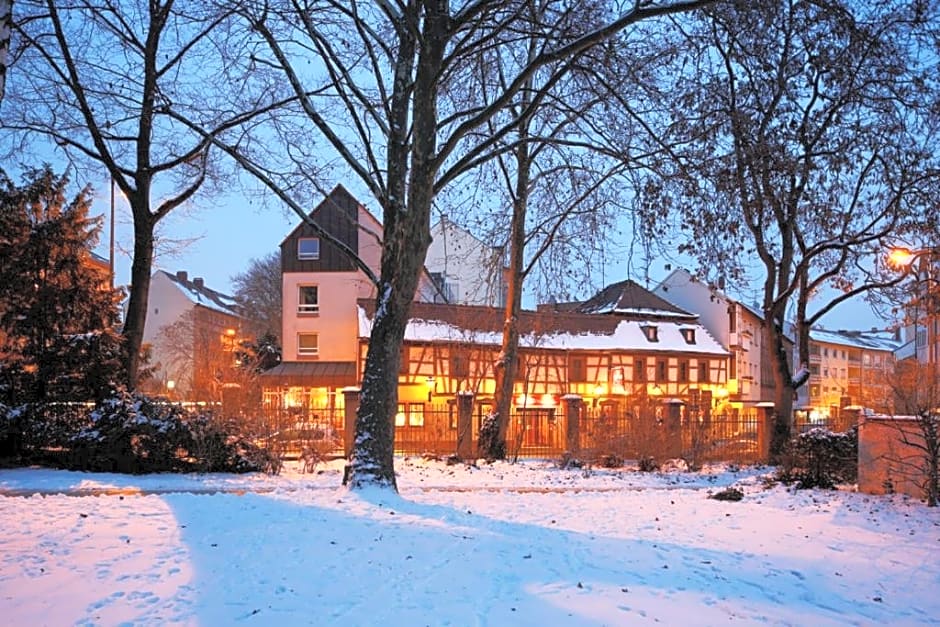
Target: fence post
(465, 425)
(765, 429)
(573, 404)
(674, 427)
(351, 405)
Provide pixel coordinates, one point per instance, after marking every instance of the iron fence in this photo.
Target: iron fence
(531, 432)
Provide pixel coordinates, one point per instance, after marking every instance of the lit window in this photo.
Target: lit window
(415, 415)
(308, 344)
(412, 412)
(688, 335)
(308, 300)
(308, 248)
(651, 332)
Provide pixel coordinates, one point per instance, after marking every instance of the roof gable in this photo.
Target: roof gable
(630, 300)
(197, 293)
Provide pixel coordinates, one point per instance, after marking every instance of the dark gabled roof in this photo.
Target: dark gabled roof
(339, 197)
(196, 291)
(628, 299)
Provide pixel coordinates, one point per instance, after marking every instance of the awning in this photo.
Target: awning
(311, 374)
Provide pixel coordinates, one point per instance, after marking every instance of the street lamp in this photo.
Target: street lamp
(918, 263)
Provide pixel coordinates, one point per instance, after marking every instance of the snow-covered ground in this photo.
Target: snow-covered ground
(523, 544)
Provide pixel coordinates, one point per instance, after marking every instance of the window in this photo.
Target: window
(459, 365)
(577, 370)
(404, 360)
(639, 371)
(308, 248)
(683, 371)
(308, 344)
(688, 335)
(412, 413)
(703, 371)
(651, 332)
(308, 300)
(662, 371)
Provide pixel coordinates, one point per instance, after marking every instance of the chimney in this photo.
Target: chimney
(181, 275)
(199, 283)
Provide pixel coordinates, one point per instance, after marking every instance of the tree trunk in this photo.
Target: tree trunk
(137, 302)
(493, 437)
(6, 23)
(405, 241)
(783, 390)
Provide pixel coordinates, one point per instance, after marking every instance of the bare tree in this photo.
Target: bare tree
(917, 394)
(809, 145)
(258, 294)
(6, 19)
(95, 80)
(554, 176)
(375, 100)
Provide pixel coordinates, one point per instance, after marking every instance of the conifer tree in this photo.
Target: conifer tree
(57, 310)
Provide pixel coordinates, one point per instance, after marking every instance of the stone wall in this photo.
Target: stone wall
(888, 461)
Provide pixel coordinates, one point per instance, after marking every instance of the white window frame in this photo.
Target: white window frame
(308, 255)
(308, 352)
(307, 308)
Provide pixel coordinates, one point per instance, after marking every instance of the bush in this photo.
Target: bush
(134, 434)
(647, 463)
(820, 458)
(728, 494)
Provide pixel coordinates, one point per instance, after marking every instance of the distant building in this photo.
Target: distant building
(320, 285)
(467, 271)
(737, 326)
(849, 368)
(623, 349)
(193, 332)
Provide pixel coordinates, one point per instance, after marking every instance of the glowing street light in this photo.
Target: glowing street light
(918, 263)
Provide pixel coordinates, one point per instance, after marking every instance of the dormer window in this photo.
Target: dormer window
(308, 248)
(651, 332)
(688, 335)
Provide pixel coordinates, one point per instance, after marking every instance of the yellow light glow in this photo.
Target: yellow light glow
(599, 390)
(548, 400)
(900, 257)
(720, 393)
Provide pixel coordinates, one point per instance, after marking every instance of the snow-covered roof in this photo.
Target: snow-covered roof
(544, 329)
(905, 351)
(630, 299)
(197, 292)
(868, 340)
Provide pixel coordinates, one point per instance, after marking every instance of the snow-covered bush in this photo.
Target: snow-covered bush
(131, 433)
(820, 458)
(135, 434)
